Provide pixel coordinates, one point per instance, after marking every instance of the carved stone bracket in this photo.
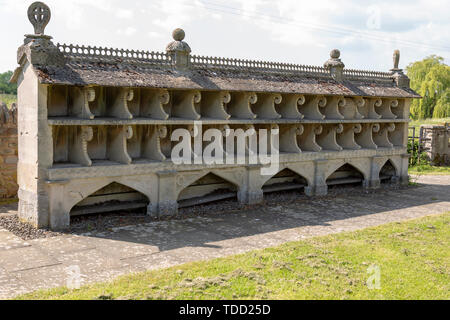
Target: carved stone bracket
(311, 109)
(152, 143)
(153, 102)
(385, 108)
(78, 152)
(240, 105)
(364, 138)
(265, 106)
(327, 139)
(119, 103)
(81, 97)
(288, 138)
(381, 138)
(346, 139)
(370, 109)
(351, 108)
(117, 144)
(289, 107)
(307, 141)
(214, 105)
(332, 109)
(186, 105)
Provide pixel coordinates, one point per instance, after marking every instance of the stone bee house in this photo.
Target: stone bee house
(94, 126)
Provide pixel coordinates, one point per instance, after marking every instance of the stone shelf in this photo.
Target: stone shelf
(70, 121)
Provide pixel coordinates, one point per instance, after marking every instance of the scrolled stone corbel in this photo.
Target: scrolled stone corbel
(307, 140)
(214, 105)
(288, 138)
(81, 97)
(364, 138)
(186, 105)
(117, 144)
(370, 109)
(265, 106)
(78, 152)
(386, 108)
(381, 137)
(119, 98)
(352, 107)
(332, 109)
(289, 106)
(240, 105)
(152, 143)
(153, 102)
(327, 139)
(310, 109)
(346, 138)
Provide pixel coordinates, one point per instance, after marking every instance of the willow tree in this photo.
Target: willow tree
(431, 79)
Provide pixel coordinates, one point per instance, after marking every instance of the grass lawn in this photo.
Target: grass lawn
(8, 99)
(413, 258)
(428, 169)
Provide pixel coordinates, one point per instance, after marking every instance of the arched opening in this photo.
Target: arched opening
(388, 173)
(209, 188)
(283, 181)
(345, 175)
(113, 197)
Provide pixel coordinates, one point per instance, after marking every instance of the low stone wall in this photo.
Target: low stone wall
(8, 151)
(436, 143)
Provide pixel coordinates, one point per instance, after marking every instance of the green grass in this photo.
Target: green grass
(413, 257)
(8, 99)
(428, 169)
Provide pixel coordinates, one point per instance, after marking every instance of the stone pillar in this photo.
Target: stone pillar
(404, 176)
(167, 197)
(436, 143)
(320, 187)
(251, 192)
(35, 149)
(375, 167)
(59, 217)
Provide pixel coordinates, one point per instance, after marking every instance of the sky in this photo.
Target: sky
(302, 32)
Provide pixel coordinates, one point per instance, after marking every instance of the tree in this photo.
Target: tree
(5, 86)
(431, 79)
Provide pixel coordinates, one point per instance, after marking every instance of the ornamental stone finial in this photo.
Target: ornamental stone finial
(335, 65)
(399, 77)
(39, 15)
(396, 58)
(179, 50)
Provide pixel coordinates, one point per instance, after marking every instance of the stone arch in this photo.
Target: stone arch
(285, 179)
(364, 170)
(207, 187)
(388, 171)
(107, 196)
(347, 173)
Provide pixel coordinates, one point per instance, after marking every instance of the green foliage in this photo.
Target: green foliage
(5, 86)
(431, 79)
(413, 151)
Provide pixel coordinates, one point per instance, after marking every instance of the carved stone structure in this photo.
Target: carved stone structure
(95, 127)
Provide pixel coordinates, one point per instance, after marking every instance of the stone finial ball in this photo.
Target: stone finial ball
(335, 54)
(178, 34)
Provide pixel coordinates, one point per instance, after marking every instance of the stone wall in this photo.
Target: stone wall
(436, 143)
(8, 151)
